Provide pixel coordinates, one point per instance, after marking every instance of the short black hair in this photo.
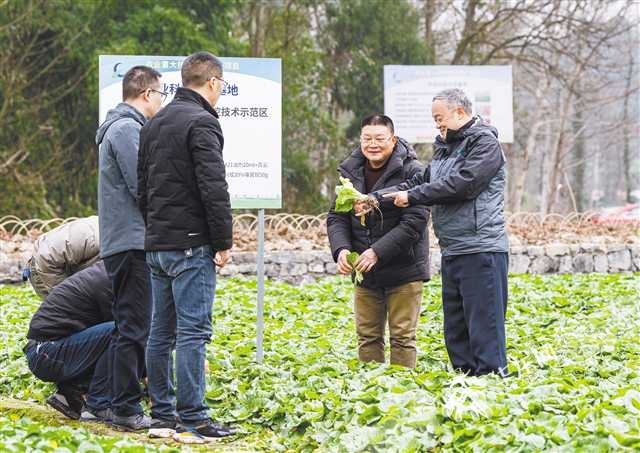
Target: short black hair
(138, 79)
(378, 120)
(199, 67)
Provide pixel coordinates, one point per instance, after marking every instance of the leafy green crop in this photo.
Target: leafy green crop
(346, 194)
(352, 257)
(573, 339)
(25, 434)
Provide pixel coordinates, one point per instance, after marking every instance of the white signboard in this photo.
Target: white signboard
(250, 111)
(409, 91)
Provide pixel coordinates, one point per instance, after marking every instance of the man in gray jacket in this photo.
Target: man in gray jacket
(122, 232)
(465, 184)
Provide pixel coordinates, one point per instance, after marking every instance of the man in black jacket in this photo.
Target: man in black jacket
(392, 243)
(69, 342)
(183, 198)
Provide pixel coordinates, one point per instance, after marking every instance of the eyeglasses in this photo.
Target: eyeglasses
(225, 84)
(375, 140)
(162, 94)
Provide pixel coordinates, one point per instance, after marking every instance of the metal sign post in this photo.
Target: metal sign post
(260, 307)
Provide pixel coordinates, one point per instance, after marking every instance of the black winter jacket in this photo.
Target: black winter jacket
(182, 191)
(81, 301)
(398, 236)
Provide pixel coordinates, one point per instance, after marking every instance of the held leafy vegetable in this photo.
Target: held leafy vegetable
(351, 259)
(346, 195)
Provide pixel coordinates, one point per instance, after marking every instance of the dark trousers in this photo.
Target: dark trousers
(474, 301)
(77, 361)
(131, 282)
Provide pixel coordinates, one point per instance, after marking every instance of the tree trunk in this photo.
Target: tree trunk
(544, 171)
(468, 31)
(529, 149)
(429, 14)
(258, 24)
(626, 148)
(556, 153)
(578, 175)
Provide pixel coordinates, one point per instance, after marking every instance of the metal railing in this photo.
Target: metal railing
(529, 225)
(11, 225)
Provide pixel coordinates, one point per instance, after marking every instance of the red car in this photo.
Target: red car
(620, 215)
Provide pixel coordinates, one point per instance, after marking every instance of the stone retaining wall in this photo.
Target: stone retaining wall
(298, 266)
(549, 259)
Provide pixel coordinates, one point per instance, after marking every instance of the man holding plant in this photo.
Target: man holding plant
(391, 243)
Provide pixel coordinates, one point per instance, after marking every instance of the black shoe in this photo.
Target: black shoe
(70, 403)
(90, 415)
(207, 431)
(162, 428)
(133, 423)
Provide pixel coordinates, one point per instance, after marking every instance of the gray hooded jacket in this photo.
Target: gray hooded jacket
(121, 224)
(465, 185)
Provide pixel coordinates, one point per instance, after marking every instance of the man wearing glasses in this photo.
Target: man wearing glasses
(184, 200)
(392, 243)
(122, 239)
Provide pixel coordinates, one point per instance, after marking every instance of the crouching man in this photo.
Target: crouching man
(392, 243)
(69, 341)
(61, 252)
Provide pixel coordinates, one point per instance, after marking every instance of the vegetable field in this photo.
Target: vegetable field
(574, 341)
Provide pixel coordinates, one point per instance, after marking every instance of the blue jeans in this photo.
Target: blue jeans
(183, 284)
(84, 357)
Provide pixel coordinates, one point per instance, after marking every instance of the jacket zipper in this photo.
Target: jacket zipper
(475, 216)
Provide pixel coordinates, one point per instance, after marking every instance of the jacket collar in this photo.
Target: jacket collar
(455, 137)
(122, 110)
(189, 95)
(461, 134)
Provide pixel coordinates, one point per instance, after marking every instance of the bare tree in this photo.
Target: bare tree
(626, 127)
(562, 56)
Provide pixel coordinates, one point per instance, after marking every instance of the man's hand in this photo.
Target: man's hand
(366, 260)
(343, 265)
(363, 207)
(222, 257)
(400, 199)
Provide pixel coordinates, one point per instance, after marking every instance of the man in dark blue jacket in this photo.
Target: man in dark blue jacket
(464, 185)
(122, 238)
(69, 341)
(184, 200)
(393, 245)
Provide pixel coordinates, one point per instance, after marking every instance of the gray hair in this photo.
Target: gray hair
(454, 97)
